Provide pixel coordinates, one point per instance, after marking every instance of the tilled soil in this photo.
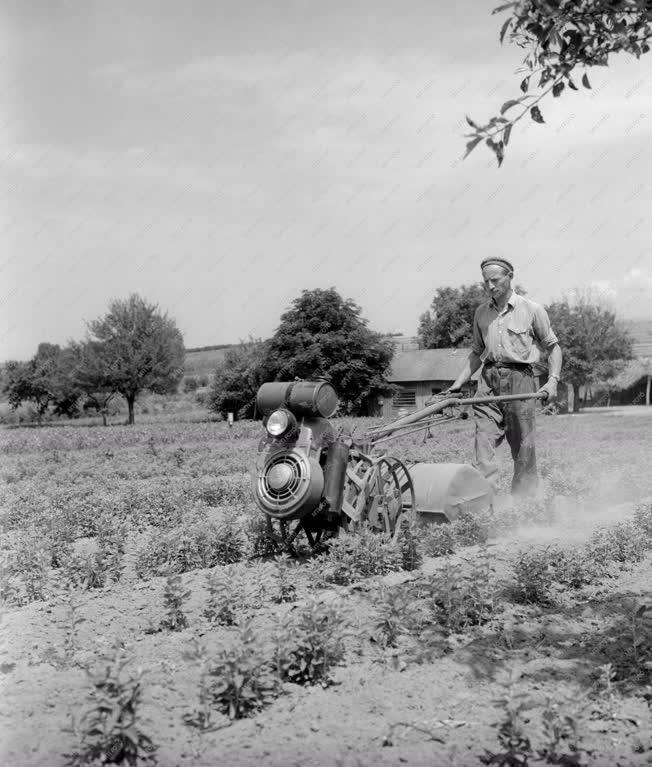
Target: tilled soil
(548, 652)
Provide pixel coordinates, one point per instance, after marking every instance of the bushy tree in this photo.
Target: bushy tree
(449, 321)
(594, 342)
(142, 348)
(46, 381)
(325, 335)
(239, 376)
(561, 37)
(92, 375)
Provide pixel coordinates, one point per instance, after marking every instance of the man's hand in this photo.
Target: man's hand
(454, 388)
(549, 389)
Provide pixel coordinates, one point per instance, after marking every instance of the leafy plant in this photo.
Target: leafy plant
(109, 729)
(226, 593)
(309, 644)
(173, 598)
(285, 590)
(459, 598)
(190, 546)
(561, 740)
(239, 679)
(621, 543)
(438, 540)
(534, 575)
(359, 555)
(643, 520)
(396, 615)
(514, 741)
(407, 541)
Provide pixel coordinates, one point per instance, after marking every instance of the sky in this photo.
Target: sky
(218, 158)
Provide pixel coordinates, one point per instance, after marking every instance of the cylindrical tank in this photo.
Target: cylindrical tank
(303, 398)
(335, 475)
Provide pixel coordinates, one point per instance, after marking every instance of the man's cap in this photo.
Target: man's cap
(497, 262)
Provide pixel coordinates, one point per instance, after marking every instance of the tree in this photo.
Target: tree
(92, 375)
(324, 335)
(560, 37)
(141, 348)
(594, 343)
(449, 322)
(238, 378)
(44, 380)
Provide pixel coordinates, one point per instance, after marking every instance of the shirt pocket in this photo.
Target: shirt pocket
(519, 336)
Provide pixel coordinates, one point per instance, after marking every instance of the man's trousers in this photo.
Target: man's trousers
(513, 421)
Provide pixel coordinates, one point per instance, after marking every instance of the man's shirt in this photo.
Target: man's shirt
(511, 335)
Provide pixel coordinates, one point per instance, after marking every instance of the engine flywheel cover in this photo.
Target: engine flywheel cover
(289, 484)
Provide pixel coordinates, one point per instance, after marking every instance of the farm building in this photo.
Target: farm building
(633, 386)
(420, 373)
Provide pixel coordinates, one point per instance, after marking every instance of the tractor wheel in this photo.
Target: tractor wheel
(375, 495)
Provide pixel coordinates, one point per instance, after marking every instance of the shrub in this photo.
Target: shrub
(470, 528)
(643, 519)
(309, 644)
(239, 679)
(396, 615)
(109, 730)
(191, 546)
(174, 596)
(285, 590)
(190, 383)
(438, 540)
(458, 598)
(534, 575)
(226, 593)
(409, 551)
(620, 543)
(358, 555)
(259, 543)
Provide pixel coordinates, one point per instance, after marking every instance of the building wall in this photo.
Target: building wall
(422, 390)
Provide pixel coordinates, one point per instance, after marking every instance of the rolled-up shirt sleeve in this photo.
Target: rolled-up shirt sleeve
(477, 346)
(541, 326)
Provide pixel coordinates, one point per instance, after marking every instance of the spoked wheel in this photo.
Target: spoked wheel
(379, 494)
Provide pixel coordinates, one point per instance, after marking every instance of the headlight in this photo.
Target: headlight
(280, 422)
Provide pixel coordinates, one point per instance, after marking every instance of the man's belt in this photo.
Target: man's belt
(525, 366)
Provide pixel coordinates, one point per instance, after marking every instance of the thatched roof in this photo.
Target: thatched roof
(631, 374)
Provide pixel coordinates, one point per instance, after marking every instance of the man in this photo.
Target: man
(506, 329)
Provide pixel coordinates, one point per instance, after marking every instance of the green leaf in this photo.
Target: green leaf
(508, 105)
(506, 133)
(503, 7)
(471, 145)
(504, 28)
(557, 88)
(585, 81)
(536, 115)
(572, 85)
(471, 123)
(525, 83)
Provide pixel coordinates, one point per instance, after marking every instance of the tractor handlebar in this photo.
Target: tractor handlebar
(445, 402)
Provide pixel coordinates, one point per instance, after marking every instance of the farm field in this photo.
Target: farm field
(521, 634)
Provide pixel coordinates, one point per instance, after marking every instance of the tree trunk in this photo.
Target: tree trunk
(576, 398)
(131, 398)
(647, 389)
(104, 421)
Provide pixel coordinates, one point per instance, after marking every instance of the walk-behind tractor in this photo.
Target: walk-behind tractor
(312, 479)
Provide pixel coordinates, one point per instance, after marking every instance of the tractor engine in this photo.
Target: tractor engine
(309, 479)
(301, 466)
